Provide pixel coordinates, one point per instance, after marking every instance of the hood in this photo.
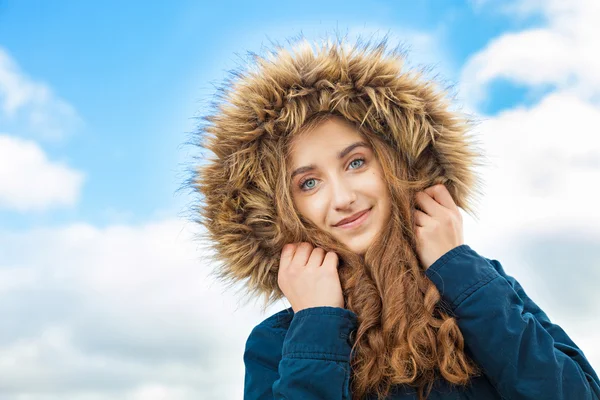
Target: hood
(272, 98)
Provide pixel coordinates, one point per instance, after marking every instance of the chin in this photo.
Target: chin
(359, 244)
(360, 250)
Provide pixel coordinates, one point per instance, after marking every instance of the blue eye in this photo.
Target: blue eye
(306, 180)
(306, 189)
(358, 159)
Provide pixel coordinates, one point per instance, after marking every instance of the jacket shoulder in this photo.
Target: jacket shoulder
(497, 266)
(280, 321)
(276, 324)
(265, 342)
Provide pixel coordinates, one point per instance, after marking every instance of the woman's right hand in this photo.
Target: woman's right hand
(309, 277)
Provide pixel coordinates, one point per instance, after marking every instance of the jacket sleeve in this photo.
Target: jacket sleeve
(524, 355)
(313, 361)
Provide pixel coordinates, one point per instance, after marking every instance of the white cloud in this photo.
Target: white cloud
(539, 214)
(30, 181)
(563, 54)
(545, 157)
(12, 277)
(127, 312)
(32, 105)
(122, 312)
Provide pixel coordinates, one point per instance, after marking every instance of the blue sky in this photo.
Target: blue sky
(137, 73)
(98, 270)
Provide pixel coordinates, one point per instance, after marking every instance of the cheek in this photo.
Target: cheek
(375, 183)
(377, 188)
(313, 208)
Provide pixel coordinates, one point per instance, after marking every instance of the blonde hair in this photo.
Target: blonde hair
(406, 334)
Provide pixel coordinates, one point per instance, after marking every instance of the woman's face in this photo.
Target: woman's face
(334, 176)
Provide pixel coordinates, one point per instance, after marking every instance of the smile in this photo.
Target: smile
(357, 222)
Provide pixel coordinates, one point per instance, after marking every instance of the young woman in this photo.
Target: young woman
(336, 182)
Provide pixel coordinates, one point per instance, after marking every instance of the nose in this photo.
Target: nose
(343, 194)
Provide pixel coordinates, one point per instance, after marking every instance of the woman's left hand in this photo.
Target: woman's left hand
(438, 226)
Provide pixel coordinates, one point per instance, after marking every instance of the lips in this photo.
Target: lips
(352, 217)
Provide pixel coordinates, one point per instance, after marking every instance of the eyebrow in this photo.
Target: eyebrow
(341, 155)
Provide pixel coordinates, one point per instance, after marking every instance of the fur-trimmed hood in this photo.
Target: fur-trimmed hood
(273, 97)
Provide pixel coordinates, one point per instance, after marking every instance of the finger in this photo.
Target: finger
(441, 195)
(316, 257)
(287, 252)
(420, 218)
(303, 252)
(331, 260)
(428, 205)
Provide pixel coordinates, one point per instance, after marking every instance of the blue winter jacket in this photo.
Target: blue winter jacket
(523, 355)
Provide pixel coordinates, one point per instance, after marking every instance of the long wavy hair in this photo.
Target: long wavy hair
(406, 334)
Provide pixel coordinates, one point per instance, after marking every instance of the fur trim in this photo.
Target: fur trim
(274, 97)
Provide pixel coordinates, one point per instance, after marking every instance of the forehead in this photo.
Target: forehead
(327, 137)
